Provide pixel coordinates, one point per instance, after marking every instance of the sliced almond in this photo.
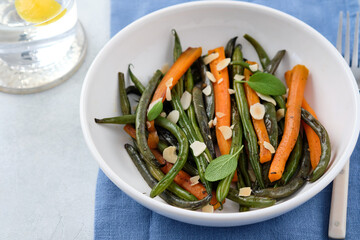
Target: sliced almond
(245, 192)
(194, 180)
(198, 148)
(165, 68)
(232, 126)
(280, 113)
(210, 76)
(238, 77)
(286, 94)
(208, 208)
(226, 132)
(231, 91)
(269, 147)
(169, 82)
(207, 90)
(220, 81)
(163, 114)
(168, 94)
(173, 116)
(211, 57)
(153, 103)
(215, 121)
(220, 114)
(185, 100)
(169, 154)
(223, 64)
(257, 111)
(148, 124)
(211, 123)
(209, 137)
(254, 67)
(266, 98)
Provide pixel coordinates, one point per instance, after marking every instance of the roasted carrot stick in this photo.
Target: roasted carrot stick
(182, 178)
(312, 138)
(292, 121)
(259, 125)
(222, 100)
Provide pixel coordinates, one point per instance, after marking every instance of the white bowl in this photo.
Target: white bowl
(147, 44)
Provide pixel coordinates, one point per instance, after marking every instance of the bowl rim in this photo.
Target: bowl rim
(208, 219)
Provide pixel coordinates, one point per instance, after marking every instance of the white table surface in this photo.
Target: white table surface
(47, 174)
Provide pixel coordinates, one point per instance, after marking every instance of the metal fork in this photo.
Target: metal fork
(337, 221)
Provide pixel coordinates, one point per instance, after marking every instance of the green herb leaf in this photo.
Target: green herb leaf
(267, 84)
(221, 167)
(155, 110)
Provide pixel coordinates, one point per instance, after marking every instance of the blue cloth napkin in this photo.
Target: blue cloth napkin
(119, 217)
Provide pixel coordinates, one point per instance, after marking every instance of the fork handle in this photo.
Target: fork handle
(337, 221)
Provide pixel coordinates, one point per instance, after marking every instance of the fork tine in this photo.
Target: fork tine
(354, 61)
(347, 39)
(339, 34)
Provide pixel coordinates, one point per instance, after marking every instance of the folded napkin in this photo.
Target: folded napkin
(119, 217)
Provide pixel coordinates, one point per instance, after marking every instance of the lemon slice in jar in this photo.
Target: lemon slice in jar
(39, 11)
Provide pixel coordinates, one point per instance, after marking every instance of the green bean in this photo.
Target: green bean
(125, 119)
(135, 80)
(249, 132)
(186, 126)
(179, 87)
(209, 100)
(250, 201)
(182, 155)
(230, 46)
(324, 143)
(274, 63)
(294, 185)
(271, 123)
(263, 57)
(167, 136)
(265, 174)
(202, 119)
(124, 100)
(292, 163)
(154, 172)
(141, 119)
(243, 168)
(223, 187)
(280, 101)
(133, 90)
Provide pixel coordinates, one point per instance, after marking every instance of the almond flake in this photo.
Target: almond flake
(280, 113)
(286, 94)
(169, 154)
(254, 67)
(215, 121)
(226, 132)
(168, 94)
(238, 77)
(223, 64)
(210, 76)
(194, 180)
(169, 82)
(165, 68)
(209, 137)
(245, 192)
(269, 147)
(266, 98)
(211, 123)
(257, 111)
(185, 100)
(232, 126)
(173, 116)
(163, 114)
(197, 148)
(231, 91)
(208, 208)
(211, 57)
(148, 124)
(220, 114)
(207, 90)
(153, 103)
(220, 81)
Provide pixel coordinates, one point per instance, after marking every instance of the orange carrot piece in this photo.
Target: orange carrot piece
(222, 100)
(259, 125)
(292, 121)
(312, 138)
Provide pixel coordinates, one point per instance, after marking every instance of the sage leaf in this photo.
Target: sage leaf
(221, 167)
(266, 83)
(154, 111)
